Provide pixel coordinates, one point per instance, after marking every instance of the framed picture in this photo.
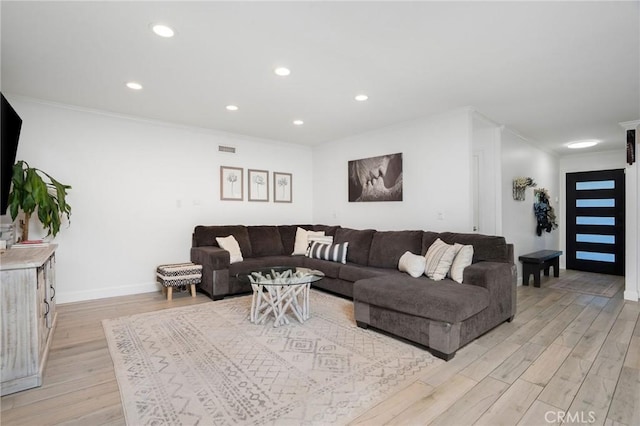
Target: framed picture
(282, 192)
(258, 185)
(231, 183)
(376, 178)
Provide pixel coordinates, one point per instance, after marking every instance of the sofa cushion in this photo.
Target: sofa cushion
(249, 265)
(442, 301)
(387, 247)
(359, 243)
(206, 236)
(428, 238)
(288, 236)
(488, 248)
(265, 241)
(328, 230)
(352, 272)
(330, 269)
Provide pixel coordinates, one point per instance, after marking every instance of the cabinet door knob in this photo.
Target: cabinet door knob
(47, 312)
(53, 296)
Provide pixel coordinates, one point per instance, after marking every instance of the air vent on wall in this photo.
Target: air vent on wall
(223, 148)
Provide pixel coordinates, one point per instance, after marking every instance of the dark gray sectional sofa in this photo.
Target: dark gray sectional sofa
(441, 315)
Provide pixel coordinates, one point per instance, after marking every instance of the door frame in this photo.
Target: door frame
(571, 211)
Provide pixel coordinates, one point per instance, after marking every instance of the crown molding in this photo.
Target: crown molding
(629, 125)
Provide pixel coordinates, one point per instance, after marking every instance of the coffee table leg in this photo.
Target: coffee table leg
(298, 310)
(255, 304)
(305, 304)
(283, 302)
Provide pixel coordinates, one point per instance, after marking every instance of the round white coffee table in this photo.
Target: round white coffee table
(279, 289)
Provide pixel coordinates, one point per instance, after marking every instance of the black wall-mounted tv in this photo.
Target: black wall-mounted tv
(11, 123)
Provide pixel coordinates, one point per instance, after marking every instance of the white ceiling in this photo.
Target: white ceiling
(552, 71)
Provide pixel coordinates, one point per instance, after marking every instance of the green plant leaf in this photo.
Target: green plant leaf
(30, 191)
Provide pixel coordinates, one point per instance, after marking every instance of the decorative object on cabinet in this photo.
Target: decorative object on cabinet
(30, 192)
(376, 178)
(545, 215)
(28, 315)
(520, 184)
(282, 187)
(231, 183)
(258, 185)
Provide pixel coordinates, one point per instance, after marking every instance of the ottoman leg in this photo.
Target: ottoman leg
(193, 290)
(169, 294)
(164, 290)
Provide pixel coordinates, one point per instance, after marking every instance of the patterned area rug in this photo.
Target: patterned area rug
(208, 364)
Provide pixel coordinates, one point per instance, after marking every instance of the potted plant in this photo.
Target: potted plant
(30, 192)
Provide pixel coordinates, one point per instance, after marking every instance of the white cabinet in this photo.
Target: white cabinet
(27, 315)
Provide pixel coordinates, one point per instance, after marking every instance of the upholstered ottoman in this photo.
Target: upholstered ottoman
(177, 275)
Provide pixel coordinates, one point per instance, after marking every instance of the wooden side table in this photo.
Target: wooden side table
(533, 263)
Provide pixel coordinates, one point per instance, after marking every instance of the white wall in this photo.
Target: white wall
(140, 187)
(521, 159)
(632, 222)
(436, 174)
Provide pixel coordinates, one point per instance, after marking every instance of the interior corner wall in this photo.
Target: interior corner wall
(139, 189)
(436, 174)
(521, 159)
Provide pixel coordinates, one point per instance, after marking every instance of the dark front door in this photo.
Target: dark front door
(595, 221)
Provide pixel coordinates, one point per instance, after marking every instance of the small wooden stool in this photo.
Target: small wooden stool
(179, 274)
(533, 263)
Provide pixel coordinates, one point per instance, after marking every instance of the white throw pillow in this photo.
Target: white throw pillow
(439, 258)
(464, 257)
(231, 245)
(302, 240)
(412, 264)
(323, 239)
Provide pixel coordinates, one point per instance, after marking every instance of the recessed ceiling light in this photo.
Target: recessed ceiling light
(163, 30)
(298, 122)
(361, 98)
(232, 107)
(282, 71)
(134, 86)
(582, 144)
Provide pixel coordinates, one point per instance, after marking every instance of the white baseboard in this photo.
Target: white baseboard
(631, 295)
(102, 293)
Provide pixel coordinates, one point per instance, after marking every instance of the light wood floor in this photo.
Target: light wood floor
(565, 352)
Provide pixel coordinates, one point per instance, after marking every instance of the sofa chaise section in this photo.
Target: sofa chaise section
(443, 315)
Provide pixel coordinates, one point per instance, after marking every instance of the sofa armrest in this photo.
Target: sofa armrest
(497, 277)
(215, 270)
(213, 258)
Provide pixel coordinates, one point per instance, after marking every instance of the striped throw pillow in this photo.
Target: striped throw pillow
(439, 258)
(332, 252)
